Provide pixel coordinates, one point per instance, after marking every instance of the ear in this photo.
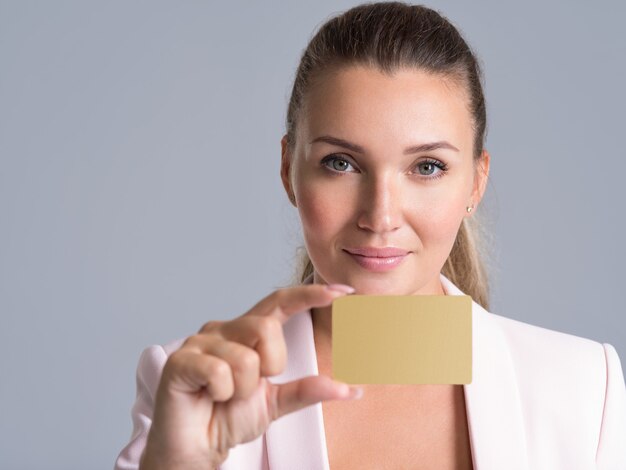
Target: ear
(285, 169)
(481, 177)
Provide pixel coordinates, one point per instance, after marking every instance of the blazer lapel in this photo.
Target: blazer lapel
(492, 401)
(494, 413)
(297, 440)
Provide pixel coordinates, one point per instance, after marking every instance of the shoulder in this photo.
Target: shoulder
(558, 372)
(554, 357)
(571, 380)
(152, 360)
(539, 341)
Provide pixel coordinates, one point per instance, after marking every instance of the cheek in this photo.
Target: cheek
(321, 213)
(439, 218)
(321, 221)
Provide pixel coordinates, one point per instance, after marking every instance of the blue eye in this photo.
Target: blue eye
(339, 164)
(430, 163)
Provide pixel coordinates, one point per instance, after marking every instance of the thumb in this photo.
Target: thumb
(293, 396)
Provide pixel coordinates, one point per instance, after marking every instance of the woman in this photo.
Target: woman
(383, 158)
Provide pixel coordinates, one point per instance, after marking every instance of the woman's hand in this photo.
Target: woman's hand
(213, 393)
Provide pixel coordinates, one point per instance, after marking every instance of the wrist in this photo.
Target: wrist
(150, 460)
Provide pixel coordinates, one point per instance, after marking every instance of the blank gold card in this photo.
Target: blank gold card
(402, 339)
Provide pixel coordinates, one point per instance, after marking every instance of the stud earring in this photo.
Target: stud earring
(469, 208)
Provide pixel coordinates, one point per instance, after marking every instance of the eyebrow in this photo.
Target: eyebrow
(426, 147)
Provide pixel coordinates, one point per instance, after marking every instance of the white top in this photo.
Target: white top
(539, 400)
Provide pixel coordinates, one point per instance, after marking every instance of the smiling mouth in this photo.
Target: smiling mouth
(377, 263)
(375, 252)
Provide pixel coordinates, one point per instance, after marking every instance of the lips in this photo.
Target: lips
(377, 260)
(375, 252)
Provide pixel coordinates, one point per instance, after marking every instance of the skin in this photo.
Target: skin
(382, 197)
(213, 394)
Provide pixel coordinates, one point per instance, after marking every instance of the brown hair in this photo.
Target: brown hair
(389, 36)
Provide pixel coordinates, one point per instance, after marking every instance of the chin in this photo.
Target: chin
(375, 284)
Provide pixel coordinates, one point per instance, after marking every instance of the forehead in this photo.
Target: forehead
(406, 107)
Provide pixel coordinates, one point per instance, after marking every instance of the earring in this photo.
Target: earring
(469, 208)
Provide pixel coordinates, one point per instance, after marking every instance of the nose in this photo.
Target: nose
(381, 205)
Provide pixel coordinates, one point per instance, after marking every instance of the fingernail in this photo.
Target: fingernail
(355, 392)
(341, 288)
(344, 390)
(349, 391)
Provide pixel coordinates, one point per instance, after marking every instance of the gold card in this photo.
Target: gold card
(402, 339)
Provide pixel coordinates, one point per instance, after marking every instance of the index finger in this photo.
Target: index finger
(283, 303)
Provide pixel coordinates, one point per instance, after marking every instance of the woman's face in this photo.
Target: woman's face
(358, 180)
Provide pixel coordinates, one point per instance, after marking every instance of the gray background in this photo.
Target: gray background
(140, 193)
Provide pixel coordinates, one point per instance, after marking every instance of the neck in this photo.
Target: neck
(322, 325)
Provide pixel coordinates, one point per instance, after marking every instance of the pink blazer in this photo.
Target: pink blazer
(539, 400)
